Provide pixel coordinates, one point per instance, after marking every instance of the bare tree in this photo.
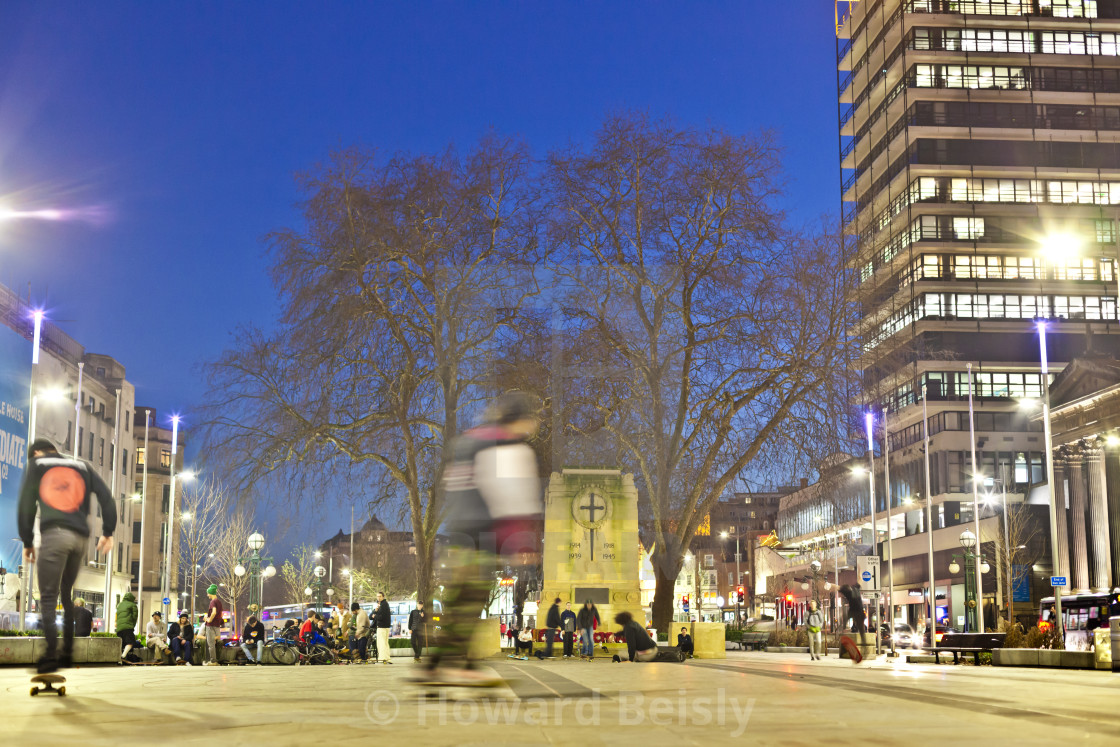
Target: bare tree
(1016, 546)
(395, 296)
(718, 334)
(296, 573)
(205, 511)
(231, 545)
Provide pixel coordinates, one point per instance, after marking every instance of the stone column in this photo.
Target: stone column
(1059, 479)
(1098, 516)
(1079, 549)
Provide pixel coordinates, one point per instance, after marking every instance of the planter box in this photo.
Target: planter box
(1015, 657)
(1048, 658)
(1077, 660)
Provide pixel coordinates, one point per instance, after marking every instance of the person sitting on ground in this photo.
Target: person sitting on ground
(181, 635)
(83, 619)
(253, 634)
(156, 634)
(684, 643)
(639, 645)
(290, 630)
(524, 641)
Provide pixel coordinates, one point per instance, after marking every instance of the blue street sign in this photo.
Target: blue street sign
(867, 577)
(1058, 581)
(167, 600)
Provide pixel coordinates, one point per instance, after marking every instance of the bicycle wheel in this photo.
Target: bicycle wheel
(320, 654)
(283, 654)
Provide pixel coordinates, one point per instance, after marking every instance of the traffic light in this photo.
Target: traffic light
(739, 595)
(789, 598)
(684, 602)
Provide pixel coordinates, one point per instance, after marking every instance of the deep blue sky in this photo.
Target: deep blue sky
(176, 129)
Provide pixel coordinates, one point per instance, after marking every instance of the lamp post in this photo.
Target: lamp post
(932, 625)
(975, 497)
(1048, 440)
(317, 587)
(166, 585)
(738, 575)
(974, 563)
(890, 546)
(256, 573)
(25, 594)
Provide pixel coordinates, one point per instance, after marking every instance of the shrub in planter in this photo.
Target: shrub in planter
(1015, 637)
(5, 633)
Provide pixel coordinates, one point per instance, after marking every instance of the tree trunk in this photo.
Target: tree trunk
(662, 607)
(424, 573)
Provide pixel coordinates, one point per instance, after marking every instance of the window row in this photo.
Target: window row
(1003, 267)
(978, 189)
(1051, 8)
(949, 306)
(1012, 41)
(985, 422)
(1014, 78)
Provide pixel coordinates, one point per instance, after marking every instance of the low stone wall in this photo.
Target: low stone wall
(1042, 657)
(26, 650)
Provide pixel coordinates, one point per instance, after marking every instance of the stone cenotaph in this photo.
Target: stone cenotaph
(591, 543)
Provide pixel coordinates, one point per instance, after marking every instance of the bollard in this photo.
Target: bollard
(1114, 630)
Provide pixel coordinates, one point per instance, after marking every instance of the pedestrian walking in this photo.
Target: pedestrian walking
(551, 626)
(359, 632)
(126, 627)
(181, 636)
(639, 646)
(383, 620)
(684, 643)
(814, 624)
(212, 625)
(58, 489)
(253, 634)
(83, 619)
(568, 629)
(155, 638)
(492, 487)
(417, 625)
(588, 621)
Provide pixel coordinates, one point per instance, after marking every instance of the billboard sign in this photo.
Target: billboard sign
(15, 412)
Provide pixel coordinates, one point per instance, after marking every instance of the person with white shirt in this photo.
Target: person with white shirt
(156, 634)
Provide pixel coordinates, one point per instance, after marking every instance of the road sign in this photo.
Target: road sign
(167, 600)
(867, 571)
(1057, 581)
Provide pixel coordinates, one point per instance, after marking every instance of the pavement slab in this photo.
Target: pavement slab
(782, 699)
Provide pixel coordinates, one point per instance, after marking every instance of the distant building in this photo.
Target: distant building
(155, 510)
(377, 549)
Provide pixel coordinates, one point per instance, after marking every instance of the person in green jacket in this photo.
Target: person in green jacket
(126, 624)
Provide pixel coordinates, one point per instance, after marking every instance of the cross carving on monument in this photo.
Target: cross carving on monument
(591, 507)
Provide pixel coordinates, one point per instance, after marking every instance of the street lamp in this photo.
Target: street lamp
(974, 564)
(1048, 440)
(317, 583)
(170, 512)
(256, 575)
(738, 576)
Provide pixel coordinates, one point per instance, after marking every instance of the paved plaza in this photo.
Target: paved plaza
(782, 699)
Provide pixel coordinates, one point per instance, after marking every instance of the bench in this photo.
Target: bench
(750, 640)
(961, 644)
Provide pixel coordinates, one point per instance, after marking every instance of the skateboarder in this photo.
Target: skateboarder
(588, 620)
(639, 646)
(213, 625)
(127, 614)
(493, 498)
(58, 488)
(568, 629)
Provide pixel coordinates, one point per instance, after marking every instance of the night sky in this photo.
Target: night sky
(168, 133)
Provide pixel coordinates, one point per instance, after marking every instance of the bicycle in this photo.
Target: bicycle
(283, 651)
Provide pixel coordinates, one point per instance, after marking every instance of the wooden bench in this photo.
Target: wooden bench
(961, 644)
(751, 640)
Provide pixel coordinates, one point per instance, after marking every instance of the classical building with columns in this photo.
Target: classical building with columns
(1085, 421)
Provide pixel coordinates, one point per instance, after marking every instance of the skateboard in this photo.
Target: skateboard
(48, 681)
(521, 657)
(851, 649)
(434, 688)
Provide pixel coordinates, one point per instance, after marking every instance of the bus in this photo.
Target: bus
(1081, 615)
(274, 616)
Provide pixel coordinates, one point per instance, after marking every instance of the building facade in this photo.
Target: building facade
(150, 508)
(976, 138)
(84, 404)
